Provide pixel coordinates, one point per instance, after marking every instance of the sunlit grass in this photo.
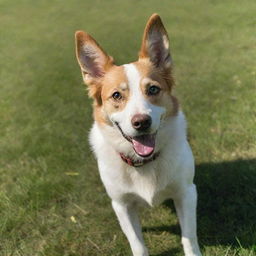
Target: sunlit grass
(51, 199)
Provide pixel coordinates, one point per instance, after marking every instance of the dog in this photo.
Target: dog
(139, 134)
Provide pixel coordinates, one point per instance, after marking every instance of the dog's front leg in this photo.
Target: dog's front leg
(185, 203)
(130, 225)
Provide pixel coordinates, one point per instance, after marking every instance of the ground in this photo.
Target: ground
(52, 201)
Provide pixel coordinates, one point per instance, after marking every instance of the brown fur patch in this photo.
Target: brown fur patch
(154, 22)
(114, 80)
(175, 106)
(90, 56)
(155, 43)
(147, 69)
(154, 76)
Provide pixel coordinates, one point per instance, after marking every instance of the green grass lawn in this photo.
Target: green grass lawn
(52, 202)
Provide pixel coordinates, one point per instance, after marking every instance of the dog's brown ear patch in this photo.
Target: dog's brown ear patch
(91, 57)
(94, 63)
(155, 43)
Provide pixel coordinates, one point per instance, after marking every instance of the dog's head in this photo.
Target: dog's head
(133, 98)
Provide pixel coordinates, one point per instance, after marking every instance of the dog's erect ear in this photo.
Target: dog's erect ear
(155, 43)
(92, 59)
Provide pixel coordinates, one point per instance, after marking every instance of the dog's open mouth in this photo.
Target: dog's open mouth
(143, 145)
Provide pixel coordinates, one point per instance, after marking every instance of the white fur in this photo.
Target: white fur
(168, 176)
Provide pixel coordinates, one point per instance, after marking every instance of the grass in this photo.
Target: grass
(52, 202)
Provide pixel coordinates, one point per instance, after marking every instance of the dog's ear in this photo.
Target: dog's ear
(94, 62)
(155, 43)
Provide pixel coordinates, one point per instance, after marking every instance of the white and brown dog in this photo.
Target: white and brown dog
(139, 134)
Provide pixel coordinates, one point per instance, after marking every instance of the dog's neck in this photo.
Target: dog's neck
(138, 163)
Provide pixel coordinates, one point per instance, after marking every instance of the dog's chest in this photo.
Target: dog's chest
(150, 186)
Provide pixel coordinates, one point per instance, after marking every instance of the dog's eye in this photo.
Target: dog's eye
(117, 96)
(153, 90)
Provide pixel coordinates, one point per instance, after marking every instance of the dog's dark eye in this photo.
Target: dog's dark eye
(153, 90)
(117, 96)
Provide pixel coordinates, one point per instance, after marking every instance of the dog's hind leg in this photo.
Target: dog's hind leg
(129, 222)
(185, 203)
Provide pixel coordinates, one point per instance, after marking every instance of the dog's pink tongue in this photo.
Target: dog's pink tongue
(144, 145)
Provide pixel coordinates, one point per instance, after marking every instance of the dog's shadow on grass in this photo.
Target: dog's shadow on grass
(226, 204)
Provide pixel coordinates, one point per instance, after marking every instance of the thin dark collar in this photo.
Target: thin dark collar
(138, 163)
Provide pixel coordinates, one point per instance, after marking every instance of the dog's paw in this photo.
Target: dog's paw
(142, 251)
(191, 247)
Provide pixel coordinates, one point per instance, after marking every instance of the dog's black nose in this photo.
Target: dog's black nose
(141, 122)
